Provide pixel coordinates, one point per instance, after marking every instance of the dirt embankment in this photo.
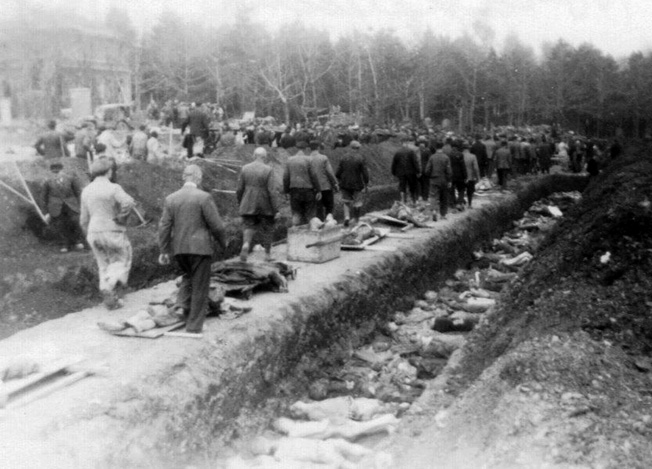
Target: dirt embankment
(561, 373)
(38, 283)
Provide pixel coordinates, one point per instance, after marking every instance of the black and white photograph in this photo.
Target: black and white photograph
(325, 234)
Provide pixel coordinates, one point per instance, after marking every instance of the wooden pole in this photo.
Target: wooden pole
(29, 193)
(8, 187)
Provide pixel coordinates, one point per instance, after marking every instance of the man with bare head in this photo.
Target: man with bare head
(188, 225)
(257, 197)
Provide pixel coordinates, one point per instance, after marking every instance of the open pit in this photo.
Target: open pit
(165, 402)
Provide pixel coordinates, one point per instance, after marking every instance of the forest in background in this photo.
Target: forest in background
(299, 72)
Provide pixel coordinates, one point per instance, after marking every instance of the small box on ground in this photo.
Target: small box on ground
(326, 244)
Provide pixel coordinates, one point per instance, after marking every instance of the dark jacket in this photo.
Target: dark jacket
(286, 141)
(480, 151)
(299, 174)
(352, 172)
(51, 145)
(198, 122)
(256, 192)
(458, 166)
(439, 169)
(405, 163)
(59, 191)
(189, 223)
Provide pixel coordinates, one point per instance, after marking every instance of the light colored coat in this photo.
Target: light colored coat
(102, 202)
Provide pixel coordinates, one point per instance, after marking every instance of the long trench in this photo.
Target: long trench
(201, 400)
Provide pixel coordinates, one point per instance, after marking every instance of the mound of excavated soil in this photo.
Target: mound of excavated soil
(562, 372)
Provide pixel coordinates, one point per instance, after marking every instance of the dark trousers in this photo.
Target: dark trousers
(409, 182)
(193, 291)
(67, 229)
(502, 177)
(424, 187)
(470, 190)
(302, 204)
(439, 198)
(325, 205)
(458, 188)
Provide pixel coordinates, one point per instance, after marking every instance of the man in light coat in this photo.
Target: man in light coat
(104, 208)
(189, 223)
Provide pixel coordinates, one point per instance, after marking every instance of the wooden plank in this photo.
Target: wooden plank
(391, 220)
(184, 335)
(17, 386)
(49, 389)
(150, 334)
(380, 248)
(400, 236)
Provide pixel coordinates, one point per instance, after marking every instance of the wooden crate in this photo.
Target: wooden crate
(300, 236)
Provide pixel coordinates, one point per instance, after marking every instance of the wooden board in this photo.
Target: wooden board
(382, 232)
(391, 220)
(15, 387)
(150, 334)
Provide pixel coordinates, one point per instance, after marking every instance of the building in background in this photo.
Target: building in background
(43, 55)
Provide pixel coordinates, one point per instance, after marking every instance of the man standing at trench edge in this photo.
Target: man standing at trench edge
(189, 223)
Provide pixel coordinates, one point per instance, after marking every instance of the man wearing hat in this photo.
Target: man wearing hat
(301, 185)
(353, 177)
(104, 207)
(61, 199)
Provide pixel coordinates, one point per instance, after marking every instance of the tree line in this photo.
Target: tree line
(298, 72)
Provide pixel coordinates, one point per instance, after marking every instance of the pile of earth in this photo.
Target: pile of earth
(562, 373)
(39, 283)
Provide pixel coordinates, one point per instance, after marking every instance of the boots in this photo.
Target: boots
(111, 300)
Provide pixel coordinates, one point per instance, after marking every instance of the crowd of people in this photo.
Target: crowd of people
(434, 167)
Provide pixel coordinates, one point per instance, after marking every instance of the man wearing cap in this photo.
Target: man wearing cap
(188, 225)
(51, 143)
(327, 180)
(61, 199)
(353, 178)
(301, 185)
(406, 168)
(104, 208)
(258, 202)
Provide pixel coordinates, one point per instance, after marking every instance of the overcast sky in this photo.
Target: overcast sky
(617, 27)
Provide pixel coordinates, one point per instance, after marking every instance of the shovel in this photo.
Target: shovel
(143, 222)
(29, 193)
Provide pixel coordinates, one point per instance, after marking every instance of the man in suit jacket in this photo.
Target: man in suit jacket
(61, 198)
(301, 185)
(198, 124)
(51, 144)
(258, 201)
(189, 223)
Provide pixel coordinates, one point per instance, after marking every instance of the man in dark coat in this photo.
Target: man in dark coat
(480, 151)
(424, 181)
(51, 144)
(327, 180)
(257, 198)
(189, 224)
(459, 176)
(301, 185)
(287, 139)
(61, 199)
(198, 124)
(406, 168)
(439, 171)
(353, 177)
